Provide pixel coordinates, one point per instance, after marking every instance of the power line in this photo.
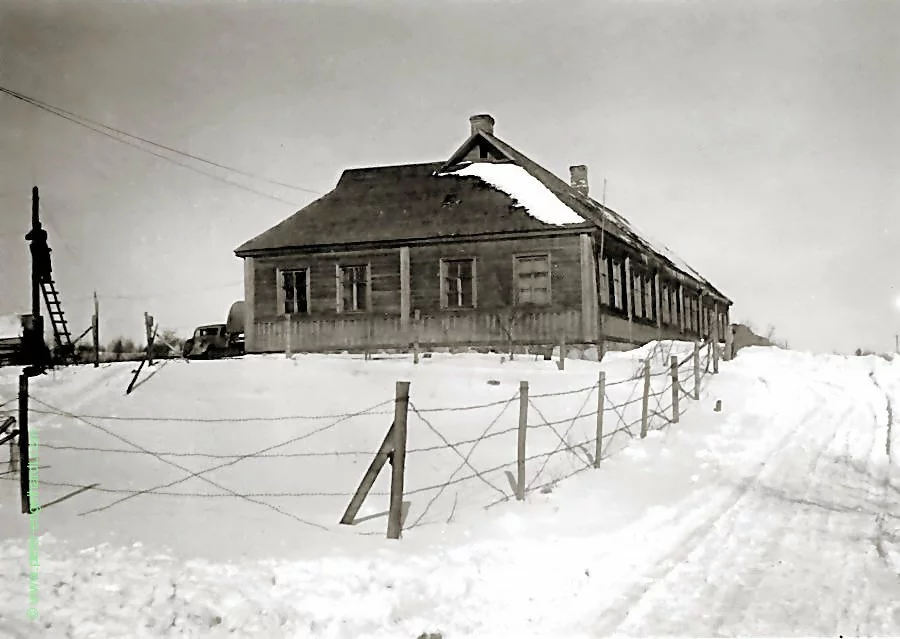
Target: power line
(99, 128)
(133, 136)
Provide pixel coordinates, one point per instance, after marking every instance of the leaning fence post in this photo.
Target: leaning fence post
(398, 460)
(520, 454)
(673, 363)
(696, 369)
(601, 396)
(24, 475)
(13, 458)
(645, 404)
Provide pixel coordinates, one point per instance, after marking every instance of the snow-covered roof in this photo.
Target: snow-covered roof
(526, 190)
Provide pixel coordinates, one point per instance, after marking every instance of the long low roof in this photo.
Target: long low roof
(457, 197)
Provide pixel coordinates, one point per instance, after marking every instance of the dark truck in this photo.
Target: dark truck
(214, 341)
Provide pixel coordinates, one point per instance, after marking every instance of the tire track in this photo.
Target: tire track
(612, 619)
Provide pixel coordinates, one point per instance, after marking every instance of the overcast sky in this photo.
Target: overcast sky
(760, 140)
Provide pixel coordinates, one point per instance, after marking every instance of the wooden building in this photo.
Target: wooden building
(484, 249)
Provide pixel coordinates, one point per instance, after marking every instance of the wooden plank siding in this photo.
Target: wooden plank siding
(494, 322)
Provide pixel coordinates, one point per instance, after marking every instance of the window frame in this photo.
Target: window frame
(443, 274)
(515, 262)
(281, 298)
(339, 276)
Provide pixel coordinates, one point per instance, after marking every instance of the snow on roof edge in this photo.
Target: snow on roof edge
(525, 190)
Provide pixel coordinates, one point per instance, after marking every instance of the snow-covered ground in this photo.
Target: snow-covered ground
(778, 516)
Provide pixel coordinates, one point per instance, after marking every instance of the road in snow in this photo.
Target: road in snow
(779, 516)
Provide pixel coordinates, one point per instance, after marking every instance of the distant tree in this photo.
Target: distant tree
(859, 352)
(129, 346)
(117, 346)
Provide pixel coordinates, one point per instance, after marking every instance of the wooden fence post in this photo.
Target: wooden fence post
(696, 369)
(288, 349)
(416, 320)
(729, 342)
(398, 460)
(520, 454)
(673, 363)
(645, 404)
(13, 458)
(715, 344)
(24, 476)
(95, 325)
(601, 396)
(562, 353)
(148, 327)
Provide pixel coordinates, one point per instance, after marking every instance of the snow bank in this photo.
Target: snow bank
(771, 517)
(527, 191)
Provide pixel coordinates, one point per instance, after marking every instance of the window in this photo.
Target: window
(637, 299)
(617, 291)
(677, 310)
(649, 298)
(694, 309)
(458, 283)
(603, 282)
(665, 303)
(533, 280)
(295, 286)
(353, 285)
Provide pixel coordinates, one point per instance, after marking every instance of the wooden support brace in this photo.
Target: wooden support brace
(368, 480)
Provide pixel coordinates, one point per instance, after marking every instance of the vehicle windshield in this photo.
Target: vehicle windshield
(208, 331)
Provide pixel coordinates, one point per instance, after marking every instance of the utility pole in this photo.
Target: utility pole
(35, 279)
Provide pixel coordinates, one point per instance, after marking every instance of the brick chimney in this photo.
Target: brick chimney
(579, 179)
(482, 122)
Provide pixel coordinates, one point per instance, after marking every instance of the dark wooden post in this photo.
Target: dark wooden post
(401, 408)
(601, 397)
(673, 364)
(715, 340)
(645, 403)
(729, 336)
(696, 369)
(24, 476)
(520, 449)
(95, 325)
(562, 353)
(417, 320)
(35, 279)
(148, 324)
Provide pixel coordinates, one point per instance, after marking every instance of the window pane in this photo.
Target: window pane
(466, 297)
(301, 282)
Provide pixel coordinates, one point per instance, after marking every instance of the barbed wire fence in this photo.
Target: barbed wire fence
(553, 442)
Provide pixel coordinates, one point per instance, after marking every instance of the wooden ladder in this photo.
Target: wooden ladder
(65, 348)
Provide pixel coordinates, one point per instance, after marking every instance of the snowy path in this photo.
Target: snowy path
(801, 544)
